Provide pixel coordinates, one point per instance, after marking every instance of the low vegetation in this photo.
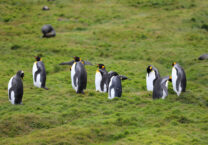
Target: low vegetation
(125, 35)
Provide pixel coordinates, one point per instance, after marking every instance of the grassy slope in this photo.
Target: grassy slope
(126, 36)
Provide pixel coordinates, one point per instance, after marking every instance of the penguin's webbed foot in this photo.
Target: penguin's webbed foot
(45, 88)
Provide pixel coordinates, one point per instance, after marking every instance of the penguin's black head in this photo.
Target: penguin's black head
(173, 63)
(20, 73)
(170, 79)
(76, 59)
(38, 58)
(100, 66)
(112, 73)
(149, 69)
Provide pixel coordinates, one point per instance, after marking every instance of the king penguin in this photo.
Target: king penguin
(160, 89)
(78, 74)
(115, 87)
(178, 78)
(39, 73)
(152, 75)
(101, 79)
(15, 88)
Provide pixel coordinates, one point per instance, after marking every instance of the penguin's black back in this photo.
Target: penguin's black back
(159, 87)
(183, 81)
(17, 87)
(104, 79)
(48, 31)
(41, 70)
(181, 78)
(46, 28)
(116, 85)
(81, 74)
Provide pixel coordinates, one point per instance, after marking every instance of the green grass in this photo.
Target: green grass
(125, 35)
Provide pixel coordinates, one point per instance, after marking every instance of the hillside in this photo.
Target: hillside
(126, 36)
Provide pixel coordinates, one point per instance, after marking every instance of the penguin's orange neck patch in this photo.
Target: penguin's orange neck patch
(97, 70)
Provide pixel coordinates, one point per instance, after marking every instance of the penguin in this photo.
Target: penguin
(48, 31)
(39, 73)
(160, 89)
(115, 87)
(15, 88)
(178, 78)
(152, 75)
(45, 8)
(101, 79)
(203, 57)
(78, 74)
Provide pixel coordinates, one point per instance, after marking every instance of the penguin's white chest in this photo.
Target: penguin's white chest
(166, 84)
(149, 80)
(174, 78)
(98, 79)
(36, 82)
(73, 72)
(12, 95)
(10, 83)
(111, 92)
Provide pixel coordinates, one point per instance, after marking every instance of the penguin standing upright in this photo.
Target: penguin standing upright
(15, 88)
(101, 79)
(160, 89)
(178, 79)
(78, 74)
(115, 87)
(152, 75)
(39, 73)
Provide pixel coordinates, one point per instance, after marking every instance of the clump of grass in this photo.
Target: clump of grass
(15, 47)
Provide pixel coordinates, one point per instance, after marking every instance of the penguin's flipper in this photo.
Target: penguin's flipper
(164, 88)
(67, 63)
(87, 63)
(123, 77)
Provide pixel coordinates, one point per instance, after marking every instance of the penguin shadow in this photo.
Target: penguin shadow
(187, 97)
